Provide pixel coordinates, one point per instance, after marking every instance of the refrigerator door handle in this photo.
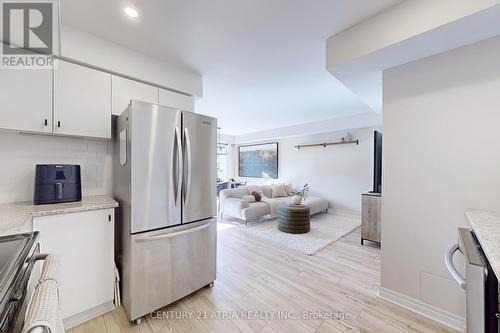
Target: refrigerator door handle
(187, 169)
(177, 164)
(172, 234)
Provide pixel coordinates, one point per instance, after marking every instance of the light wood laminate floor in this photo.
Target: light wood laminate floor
(342, 279)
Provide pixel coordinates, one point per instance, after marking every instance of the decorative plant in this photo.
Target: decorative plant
(302, 193)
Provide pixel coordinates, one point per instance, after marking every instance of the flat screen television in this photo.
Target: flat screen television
(377, 163)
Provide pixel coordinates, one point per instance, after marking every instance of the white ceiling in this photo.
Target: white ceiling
(262, 61)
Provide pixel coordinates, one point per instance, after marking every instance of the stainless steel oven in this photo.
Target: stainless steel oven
(480, 284)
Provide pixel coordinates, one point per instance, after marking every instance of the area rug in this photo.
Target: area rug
(325, 230)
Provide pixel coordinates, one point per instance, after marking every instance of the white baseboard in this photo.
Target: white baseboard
(80, 318)
(441, 316)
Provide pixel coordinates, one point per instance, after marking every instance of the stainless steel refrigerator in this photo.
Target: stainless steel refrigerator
(165, 182)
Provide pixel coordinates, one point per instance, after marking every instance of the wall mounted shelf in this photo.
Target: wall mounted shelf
(328, 144)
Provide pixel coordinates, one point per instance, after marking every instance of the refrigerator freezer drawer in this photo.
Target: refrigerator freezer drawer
(168, 266)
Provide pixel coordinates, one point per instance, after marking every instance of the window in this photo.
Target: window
(222, 162)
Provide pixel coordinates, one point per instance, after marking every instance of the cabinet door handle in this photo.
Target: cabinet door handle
(109, 218)
(46, 122)
(58, 123)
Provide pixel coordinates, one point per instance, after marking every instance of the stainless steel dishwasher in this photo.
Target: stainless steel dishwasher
(480, 284)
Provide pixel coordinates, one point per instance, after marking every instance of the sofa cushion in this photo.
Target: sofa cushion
(289, 189)
(234, 192)
(274, 203)
(266, 189)
(249, 198)
(255, 209)
(253, 188)
(278, 191)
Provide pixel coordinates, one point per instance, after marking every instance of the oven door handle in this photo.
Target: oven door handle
(448, 260)
(40, 256)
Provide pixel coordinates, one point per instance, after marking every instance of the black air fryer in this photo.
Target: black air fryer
(56, 183)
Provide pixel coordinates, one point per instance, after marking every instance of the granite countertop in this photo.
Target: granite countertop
(15, 215)
(486, 227)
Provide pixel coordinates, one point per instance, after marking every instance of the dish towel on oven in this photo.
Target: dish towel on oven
(49, 269)
(43, 313)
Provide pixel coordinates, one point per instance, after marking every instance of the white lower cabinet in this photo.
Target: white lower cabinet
(84, 244)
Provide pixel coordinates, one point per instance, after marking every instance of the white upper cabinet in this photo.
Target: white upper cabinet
(82, 104)
(125, 90)
(26, 100)
(176, 100)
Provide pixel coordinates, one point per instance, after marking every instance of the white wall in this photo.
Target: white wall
(338, 173)
(358, 120)
(441, 156)
(20, 152)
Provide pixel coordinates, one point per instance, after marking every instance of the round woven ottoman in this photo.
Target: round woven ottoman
(294, 219)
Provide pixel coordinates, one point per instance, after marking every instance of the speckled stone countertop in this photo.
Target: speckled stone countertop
(15, 215)
(486, 227)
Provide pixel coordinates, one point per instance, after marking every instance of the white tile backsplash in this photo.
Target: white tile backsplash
(19, 153)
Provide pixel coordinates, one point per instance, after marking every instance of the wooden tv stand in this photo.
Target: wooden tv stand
(370, 217)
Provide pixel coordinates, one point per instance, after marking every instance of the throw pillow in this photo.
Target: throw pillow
(278, 190)
(289, 189)
(266, 191)
(249, 198)
(257, 196)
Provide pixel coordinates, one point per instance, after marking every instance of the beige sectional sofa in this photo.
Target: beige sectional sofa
(233, 203)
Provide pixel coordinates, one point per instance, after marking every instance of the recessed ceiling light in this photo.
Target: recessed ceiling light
(131, 12)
